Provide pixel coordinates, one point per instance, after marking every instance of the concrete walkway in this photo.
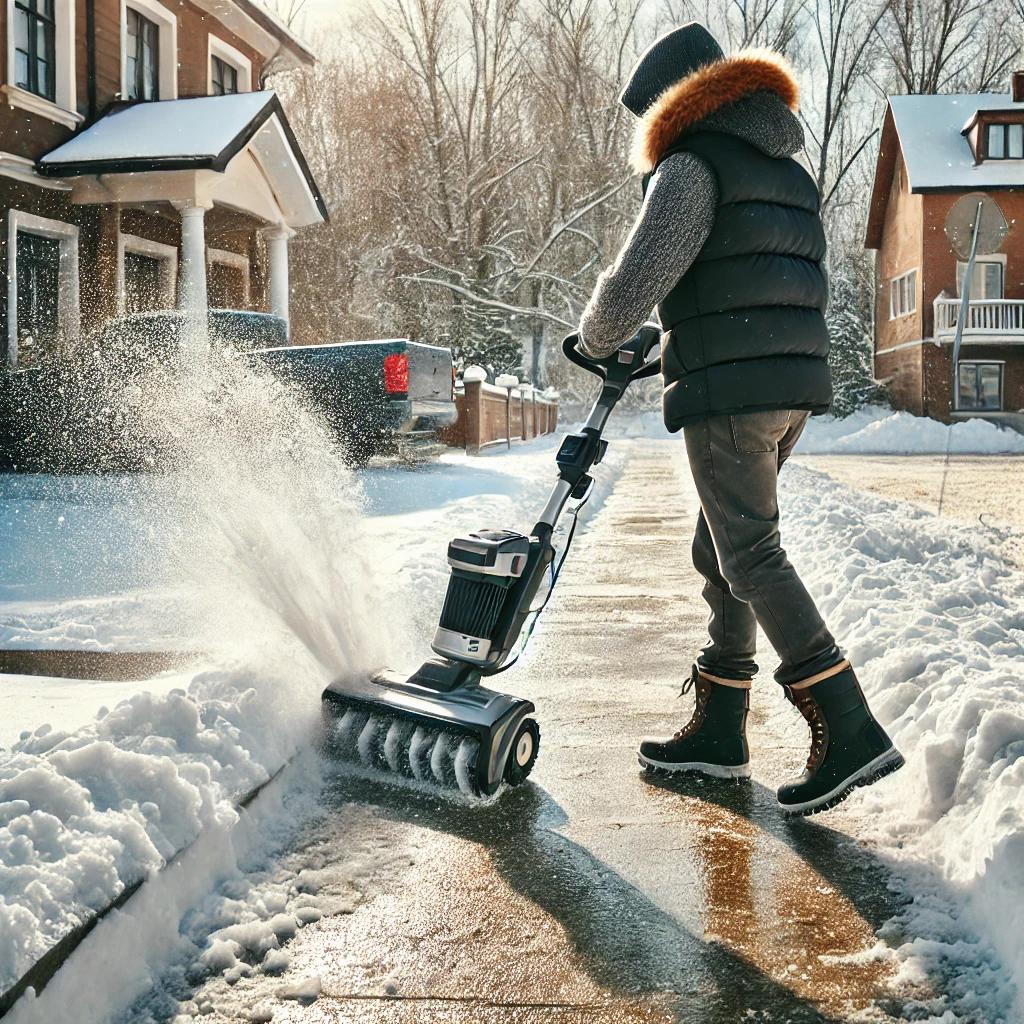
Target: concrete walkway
(596, 893)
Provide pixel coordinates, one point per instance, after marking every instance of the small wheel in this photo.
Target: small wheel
(523, 755)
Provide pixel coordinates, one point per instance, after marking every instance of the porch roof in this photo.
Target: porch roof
(205, 133)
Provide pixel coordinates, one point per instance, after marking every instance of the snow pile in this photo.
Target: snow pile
(84, 815)
(879, 431)
(933, 620)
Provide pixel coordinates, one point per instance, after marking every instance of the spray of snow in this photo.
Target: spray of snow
(262, 524)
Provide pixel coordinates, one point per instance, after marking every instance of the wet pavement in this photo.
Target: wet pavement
(595, 893)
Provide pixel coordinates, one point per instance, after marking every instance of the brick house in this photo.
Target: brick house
(935, 150)
(141, 166)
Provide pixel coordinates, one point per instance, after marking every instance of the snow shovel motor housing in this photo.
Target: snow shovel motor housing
(440, 726)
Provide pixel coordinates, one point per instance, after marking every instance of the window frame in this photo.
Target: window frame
(167, 45)
(899, 287)
(1004, 130)
(68, 309)
(217, 47)
(976, 364)
(62, 109)
(237, 261)
(168, 256)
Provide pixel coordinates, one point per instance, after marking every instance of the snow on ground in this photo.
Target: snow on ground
(933, 620)
(282, 565)
(880, 431)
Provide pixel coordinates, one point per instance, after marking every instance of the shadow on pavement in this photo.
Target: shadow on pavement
(836, 857)
(624, 941)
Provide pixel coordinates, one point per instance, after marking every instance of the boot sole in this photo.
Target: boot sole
(885, 764)
(714, 771)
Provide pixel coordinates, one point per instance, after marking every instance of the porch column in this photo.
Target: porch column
(277, 251)
(192, 272)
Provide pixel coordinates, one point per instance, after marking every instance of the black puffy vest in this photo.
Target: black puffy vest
(746, 321)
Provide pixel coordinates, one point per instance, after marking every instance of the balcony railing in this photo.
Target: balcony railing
(988, 317)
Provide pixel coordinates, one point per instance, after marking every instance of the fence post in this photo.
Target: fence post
(473, 378)
(507, 381)
(522, 412)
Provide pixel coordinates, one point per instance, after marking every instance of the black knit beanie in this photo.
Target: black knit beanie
(674, 56)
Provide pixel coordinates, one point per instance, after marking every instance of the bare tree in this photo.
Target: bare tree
(935, 46)
(839, 119)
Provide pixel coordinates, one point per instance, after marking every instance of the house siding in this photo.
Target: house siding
(30, 136)
(900, 251)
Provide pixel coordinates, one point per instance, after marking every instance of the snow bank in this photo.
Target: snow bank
(934, 622)
(880, 431)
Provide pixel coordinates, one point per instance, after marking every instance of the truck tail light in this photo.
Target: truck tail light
(453, 382)
(396, 374)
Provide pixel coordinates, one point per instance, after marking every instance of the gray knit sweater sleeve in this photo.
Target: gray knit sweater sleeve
(673, 224)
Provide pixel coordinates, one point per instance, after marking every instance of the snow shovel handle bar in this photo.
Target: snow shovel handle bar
(638, 358)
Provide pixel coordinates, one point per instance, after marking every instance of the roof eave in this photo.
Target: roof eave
(303, 55)
(885, 167)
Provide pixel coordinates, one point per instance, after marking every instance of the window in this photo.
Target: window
(147, 274)
(986, 281)
(149, 51)
(230, 71)
(223, 78)
(42, 288)
(980, 387)
(903, 295)
(1004, 142)
(40, 59)
(35, 47)
(38, 283)
(142, 58)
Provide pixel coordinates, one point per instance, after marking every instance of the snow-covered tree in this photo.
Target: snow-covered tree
(850, 318)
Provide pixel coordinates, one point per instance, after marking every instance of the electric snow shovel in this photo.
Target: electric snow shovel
(440, 726)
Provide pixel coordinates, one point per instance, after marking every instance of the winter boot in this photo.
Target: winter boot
(714, 741)
(848, 747)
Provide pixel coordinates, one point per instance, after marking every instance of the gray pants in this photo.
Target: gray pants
(735, 461)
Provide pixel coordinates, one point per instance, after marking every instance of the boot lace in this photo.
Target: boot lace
(808, 707)
(700, 707)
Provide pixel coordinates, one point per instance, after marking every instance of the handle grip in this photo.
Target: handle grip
(638, 358)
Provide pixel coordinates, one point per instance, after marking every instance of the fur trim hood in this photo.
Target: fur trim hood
(693, 98)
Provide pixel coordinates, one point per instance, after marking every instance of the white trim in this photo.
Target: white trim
(893, 283)
(167, 23)
(216, 47)
(68, 311)
(236, 260)
(22, 169)
(63, 108)
(166, 254)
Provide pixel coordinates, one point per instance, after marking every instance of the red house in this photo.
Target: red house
(934, 151)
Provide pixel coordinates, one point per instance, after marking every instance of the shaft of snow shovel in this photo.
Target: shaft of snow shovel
(965, 307)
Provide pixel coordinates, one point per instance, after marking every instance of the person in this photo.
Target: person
(729, 246)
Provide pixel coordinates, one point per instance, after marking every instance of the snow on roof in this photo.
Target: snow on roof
(937, 155)
(197, 129)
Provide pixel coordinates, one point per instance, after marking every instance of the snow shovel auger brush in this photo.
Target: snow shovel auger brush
(440, 726)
